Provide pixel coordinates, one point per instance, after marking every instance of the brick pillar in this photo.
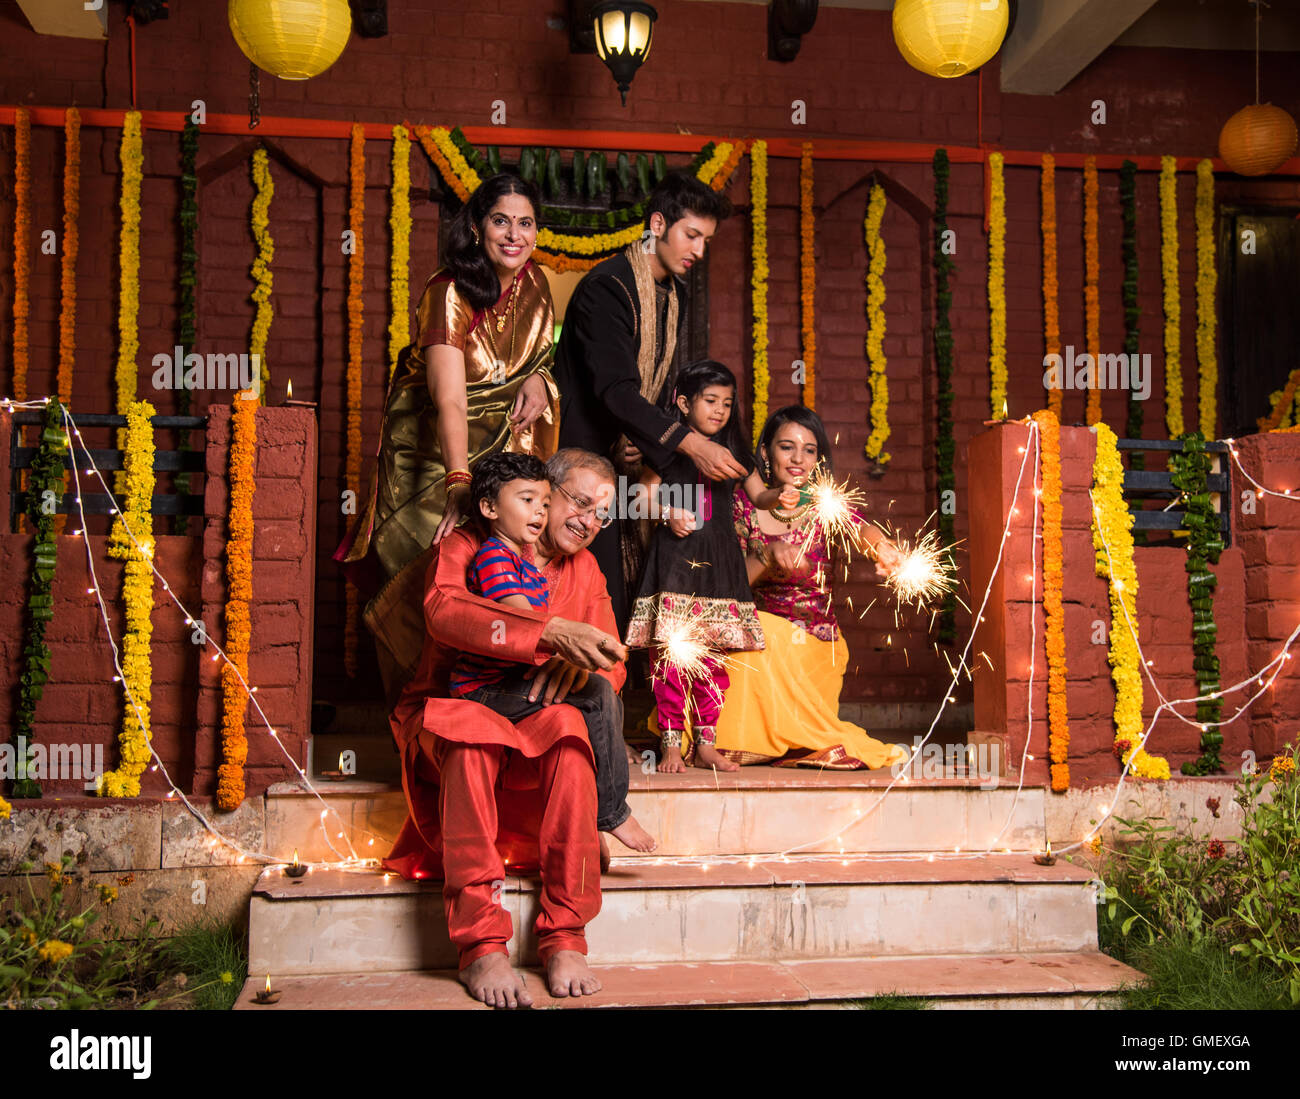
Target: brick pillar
(284, 540)
(1003, 632)
(1268, 530)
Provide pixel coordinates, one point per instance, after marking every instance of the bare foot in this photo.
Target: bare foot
(672, 763)
(604, 854)
(633, 756)
(492, 981)
(567, 975)
(708, 756)
(631, 834)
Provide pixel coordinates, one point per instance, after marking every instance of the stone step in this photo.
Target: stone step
(758, 810)
(1086, 979)
(661, 910)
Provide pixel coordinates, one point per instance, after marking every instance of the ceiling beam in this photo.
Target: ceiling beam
(67, 18)
(1055, 40)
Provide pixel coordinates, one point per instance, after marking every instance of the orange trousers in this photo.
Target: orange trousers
(469, 782)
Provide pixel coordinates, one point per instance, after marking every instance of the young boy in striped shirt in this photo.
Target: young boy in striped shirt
(510, 497)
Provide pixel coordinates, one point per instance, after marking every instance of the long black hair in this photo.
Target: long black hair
(476, 279)
(805, 418)
(692, 379)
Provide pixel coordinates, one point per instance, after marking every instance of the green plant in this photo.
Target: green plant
(1182, 975)
(50, 956)
(894, 1001)
(1243, 898)
(214, 954)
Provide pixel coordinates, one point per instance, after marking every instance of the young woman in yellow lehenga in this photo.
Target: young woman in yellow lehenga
(475, 380)
(783, 702)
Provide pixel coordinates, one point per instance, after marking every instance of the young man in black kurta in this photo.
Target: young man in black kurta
(600, 360)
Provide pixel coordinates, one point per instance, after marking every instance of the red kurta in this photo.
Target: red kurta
(515, 772)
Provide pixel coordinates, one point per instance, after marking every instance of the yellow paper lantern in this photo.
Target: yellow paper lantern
(949, 37)
(294, 39)
(1257, 139)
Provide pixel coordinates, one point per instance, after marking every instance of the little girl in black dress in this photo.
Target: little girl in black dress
(694, 569)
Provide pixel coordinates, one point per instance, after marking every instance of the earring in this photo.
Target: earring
(474, 230)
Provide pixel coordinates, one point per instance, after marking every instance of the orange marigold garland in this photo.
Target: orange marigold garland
(1051, 305)
(1091, 288)
(239, 591)
(356, 277)
(807, 275)
(1053, 576)
(22, 230)
(729, 166)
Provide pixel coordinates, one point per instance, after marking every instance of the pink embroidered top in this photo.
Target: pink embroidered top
(806, 601)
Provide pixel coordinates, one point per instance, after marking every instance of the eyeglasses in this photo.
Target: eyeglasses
(587, 508)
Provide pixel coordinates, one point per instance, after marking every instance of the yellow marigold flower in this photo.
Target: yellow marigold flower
(1093, 844)
(54, 951)
(227, 977)
(5, 809)
(1282, 767)
(107, 893)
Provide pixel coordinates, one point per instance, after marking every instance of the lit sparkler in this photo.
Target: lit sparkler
(681, 645)
(833, 510)
(925, 572)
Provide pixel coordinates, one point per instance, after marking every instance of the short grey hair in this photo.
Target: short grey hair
(566, 460)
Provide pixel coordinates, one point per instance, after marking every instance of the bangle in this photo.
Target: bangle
(458, 477)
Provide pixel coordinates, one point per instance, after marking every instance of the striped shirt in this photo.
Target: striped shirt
(497, 571)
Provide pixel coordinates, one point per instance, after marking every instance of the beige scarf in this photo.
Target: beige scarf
(652, 373)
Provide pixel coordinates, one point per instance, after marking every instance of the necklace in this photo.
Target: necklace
(510, 306)
(791, 517)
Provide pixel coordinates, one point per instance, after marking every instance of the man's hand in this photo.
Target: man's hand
(590, 648)
(716, 462)
(553, 680)
(530, 402)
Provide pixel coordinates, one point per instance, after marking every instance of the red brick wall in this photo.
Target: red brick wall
(1256, 607)
(708, 73)
(82, 705)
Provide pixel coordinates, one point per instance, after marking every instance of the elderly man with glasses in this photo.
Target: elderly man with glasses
(485, 793)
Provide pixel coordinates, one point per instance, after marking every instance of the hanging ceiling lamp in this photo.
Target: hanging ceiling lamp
(294, 39)
(1260, 138)
(624, 30)
(949, 37)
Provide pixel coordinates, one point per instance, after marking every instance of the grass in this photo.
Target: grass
(1182, 975)
(894, 1001)
(206, 951)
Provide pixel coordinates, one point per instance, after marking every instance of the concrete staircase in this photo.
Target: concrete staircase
(770, 887)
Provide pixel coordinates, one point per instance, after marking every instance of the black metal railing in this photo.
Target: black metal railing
(108, 459)
(1153, 499)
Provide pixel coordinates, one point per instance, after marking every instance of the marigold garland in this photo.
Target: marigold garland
(1173, 309)
(807, 276)
(1091, 287)
(997, 280)
(1280, 403)
(239, 591)
(137, 597)
(1206, 317)
(1051, 286)
(131, 155)
(399, 266)
(356, 278)
(758, 276)
(876, 327)
(71, 246)
(1053, 578)
(260, 218)
(22, 259)
(1112, 527)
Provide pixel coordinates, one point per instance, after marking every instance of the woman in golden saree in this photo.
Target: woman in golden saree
(476, 380)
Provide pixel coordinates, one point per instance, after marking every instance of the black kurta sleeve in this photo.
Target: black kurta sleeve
(604, 330)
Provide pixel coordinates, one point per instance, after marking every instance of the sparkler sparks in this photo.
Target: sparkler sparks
(925, 572)
(833, 511)
(681, 645)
